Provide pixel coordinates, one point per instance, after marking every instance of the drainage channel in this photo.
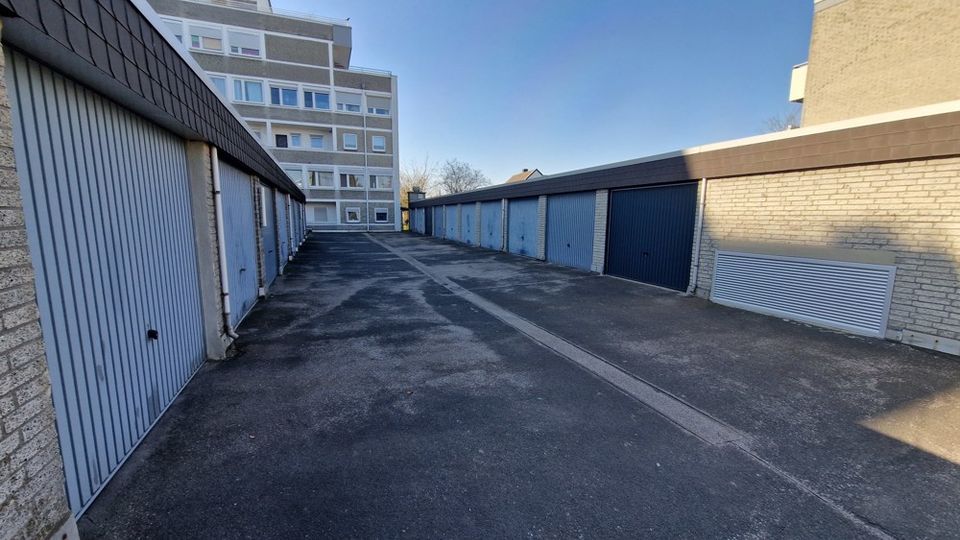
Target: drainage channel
(687, 417)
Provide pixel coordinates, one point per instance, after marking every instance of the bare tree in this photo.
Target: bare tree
(457, 176)
(416, 175)
(783, 121)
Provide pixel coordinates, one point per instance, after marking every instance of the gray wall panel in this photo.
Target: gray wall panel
(468, 222)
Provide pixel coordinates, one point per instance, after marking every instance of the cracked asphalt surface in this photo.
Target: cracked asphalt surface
(364, 399)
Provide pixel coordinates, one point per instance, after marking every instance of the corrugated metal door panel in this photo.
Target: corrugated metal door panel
(283, 245)
(421, 227)
(522, 226)
(438, 221)
(650, 234)
(467, 222)
(848, 296)
(107, 208)
(239, 232)
(570, 228)
(491, 221)
(268, 234)
(450, 221)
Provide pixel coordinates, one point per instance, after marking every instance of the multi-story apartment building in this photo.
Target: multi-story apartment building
(333, 127)
(875, 56)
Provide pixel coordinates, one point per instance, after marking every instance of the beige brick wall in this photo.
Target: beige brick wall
(212, 231)
(32, 497)
(910, 209)
(600, 231)
(873, 56)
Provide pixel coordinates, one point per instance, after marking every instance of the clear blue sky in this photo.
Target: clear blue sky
(563, 84)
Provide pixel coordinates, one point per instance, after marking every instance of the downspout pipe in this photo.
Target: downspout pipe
(698, 234)
(221, 243)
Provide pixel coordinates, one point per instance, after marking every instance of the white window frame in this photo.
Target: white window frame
(377, 187)
(360, 176)
(373, 143)
(356, 209)
(200, 47)
(342, 107)
(229, 48)
(356, 142)
(299, 137)
(323, 141)
(317, 91)
(386, 215)
(226, 83)
(281, 87)
(243, 81)
(336, 214)
(333, 179)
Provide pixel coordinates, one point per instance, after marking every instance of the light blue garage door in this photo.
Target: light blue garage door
(438, 221)
(240, 238)
(450, 221)
(467, 222)
(522, 226)
(570, 228)
(491, 223)
(106, 201)
(268, 234)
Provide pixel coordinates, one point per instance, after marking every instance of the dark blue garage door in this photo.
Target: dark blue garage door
(650, 236)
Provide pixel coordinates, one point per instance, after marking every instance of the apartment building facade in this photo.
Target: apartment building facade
(876, 56)
(333, 127)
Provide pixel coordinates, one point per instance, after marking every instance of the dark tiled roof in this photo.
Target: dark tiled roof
(112, 47)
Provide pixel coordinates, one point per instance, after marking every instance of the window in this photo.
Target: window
(380, 215)
(244, 43)
(326, 212)
(281, 141)
(206, 38)
(353, 215)
(348, 102)
(286, 97)
(295, 140)
(349, 141)
(175, 27)
(295, 174)
(316, 141)
(379, 143)
(220, 83)
(381, 181)
(348, 180)
(316, 100)
(320, 179)
(378, 105)
(250, 91)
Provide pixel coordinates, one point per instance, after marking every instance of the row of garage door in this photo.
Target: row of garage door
(649, 237)
(113, 241)
(649, 231)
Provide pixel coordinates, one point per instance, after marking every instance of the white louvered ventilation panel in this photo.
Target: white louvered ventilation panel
(854, 297)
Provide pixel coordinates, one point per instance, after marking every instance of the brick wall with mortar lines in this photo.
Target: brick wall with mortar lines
(873, 56)
(600, 231)
(32, 497)
(911, 209)
(212, 231)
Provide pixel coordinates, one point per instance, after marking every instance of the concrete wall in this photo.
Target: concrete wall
(911, 209)
(873, 56)
(33, 502)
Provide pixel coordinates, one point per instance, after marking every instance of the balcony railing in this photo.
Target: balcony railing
(255, 6)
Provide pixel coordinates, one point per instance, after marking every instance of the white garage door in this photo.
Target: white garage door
(854, 297)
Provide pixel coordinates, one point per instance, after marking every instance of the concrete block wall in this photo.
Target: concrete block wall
(600, 231)
(911, 209)
(542, 228)
(33, 502)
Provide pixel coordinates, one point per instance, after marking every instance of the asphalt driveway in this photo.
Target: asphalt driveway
(408, 387)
